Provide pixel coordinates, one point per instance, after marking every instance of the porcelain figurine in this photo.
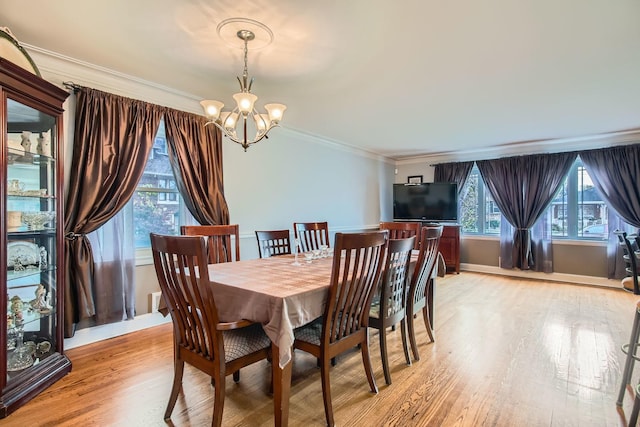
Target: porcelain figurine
(26, 144)
(44, 144)
(39, 302)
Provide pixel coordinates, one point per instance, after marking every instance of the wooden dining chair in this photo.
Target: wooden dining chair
(421, 285)
(389, 304)
(200, 339)
(627, 243)
(273, 243)
(223, 241)
(402, 230)
(311, 235)
(357, 264)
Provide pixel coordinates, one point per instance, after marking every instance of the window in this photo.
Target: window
(157, 205)
(476, 217)
(577, 211)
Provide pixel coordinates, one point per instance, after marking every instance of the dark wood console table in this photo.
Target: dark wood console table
(450, 247)
(449, 244)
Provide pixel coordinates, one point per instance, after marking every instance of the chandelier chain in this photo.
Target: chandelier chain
(245, 73)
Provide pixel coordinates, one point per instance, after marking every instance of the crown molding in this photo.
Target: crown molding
(58, 68)
(336, 145)
(588, 142)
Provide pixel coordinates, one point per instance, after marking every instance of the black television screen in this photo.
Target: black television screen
(435, 201)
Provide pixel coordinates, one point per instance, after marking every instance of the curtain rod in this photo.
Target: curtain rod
(72, 86)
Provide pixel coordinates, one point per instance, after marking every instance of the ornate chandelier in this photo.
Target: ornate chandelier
(244, 113)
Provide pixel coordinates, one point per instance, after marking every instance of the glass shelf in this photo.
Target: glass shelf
(12, 196)
(30, 316)
(15, 275)
(23, 231)
(20, 158)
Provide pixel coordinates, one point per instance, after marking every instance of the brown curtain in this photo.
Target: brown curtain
(195, 153)
(113, 137)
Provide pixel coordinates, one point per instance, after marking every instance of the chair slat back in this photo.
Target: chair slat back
(429, 241)
(181, 267)
(223, 241)
(273, 243)
(402, 230)
(311, 234)
(357, 265)
(394, 284)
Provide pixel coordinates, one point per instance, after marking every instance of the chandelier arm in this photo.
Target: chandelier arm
(244, 142)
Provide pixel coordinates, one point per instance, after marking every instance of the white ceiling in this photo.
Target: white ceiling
(399, 78)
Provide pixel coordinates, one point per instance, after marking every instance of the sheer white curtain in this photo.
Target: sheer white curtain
(114, 268)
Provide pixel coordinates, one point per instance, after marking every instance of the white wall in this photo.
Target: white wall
(293, 177)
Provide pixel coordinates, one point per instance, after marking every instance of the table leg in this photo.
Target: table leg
(281, 388)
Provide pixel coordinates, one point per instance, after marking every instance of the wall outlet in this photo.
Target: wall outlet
(155, 301)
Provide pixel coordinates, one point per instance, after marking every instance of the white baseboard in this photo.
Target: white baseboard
(557, 277)
(103, 332)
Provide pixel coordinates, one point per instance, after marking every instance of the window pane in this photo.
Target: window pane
(476, 216)
(578, 211)
(559, 212)
(492, 215)
(150, 216)
(469, 203)
(157, 205)
(592, 210)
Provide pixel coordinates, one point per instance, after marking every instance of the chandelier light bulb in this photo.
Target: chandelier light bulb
(212, 108)
(262, 121)
(245, 102)
(276, 111)
(230, 122)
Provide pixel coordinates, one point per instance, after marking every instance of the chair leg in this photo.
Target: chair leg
(628, 365)
(178, 370)
(427, 322)
(326, 391)
(368, 369)
(218, 402)
(405, 345)
(333, 362)
(383, 355)
(412, 336)
(236, 376)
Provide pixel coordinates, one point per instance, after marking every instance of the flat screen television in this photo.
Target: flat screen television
(435, 201)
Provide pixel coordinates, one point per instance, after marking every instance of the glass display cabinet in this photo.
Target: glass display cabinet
(31, 236)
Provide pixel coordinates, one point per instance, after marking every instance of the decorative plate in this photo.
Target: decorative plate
(12, 51)
(26, 253)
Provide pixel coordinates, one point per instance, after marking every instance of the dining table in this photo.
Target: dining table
(282, 293)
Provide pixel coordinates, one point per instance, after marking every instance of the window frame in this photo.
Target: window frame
(570, 207)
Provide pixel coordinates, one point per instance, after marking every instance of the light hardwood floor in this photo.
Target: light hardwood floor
(508, 352)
